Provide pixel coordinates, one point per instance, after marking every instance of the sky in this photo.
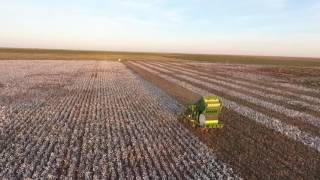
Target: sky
(250, 27)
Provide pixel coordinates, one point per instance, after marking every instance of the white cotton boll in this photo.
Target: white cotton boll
(93, 126)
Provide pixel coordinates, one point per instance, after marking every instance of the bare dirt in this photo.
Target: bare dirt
(289, 120)
(306, 76)
(254, 151)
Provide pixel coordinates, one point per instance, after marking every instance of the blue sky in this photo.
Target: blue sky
(264, 27)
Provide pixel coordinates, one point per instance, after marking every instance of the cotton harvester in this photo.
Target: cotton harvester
(205, 112)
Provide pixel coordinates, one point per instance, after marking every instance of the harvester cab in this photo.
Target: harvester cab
(205, 112)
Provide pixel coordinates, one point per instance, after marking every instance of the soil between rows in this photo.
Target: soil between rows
(273, 72)
(241, 80)
(254, 151)
(289, 120)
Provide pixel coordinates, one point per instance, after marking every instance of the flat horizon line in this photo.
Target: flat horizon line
(156, 52)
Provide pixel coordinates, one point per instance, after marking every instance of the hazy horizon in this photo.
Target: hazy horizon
(249, 27)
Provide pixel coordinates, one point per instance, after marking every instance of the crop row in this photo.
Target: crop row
(265, 119)
(247, 142)
(255, 77)
(301, 116)
(107, 124)
(250, 81)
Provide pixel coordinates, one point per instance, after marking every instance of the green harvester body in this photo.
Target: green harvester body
(205, 112)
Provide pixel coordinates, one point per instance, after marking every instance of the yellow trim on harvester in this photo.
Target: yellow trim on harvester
(211, 100)
(213, 105)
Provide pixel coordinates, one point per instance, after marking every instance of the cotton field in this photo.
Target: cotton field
(124, 120)
(95, 120)
(272, 124)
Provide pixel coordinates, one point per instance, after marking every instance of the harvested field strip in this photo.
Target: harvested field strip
(277, 94)
(108, 125)
(268, 87)
(243, 142)
(262, 94)
(251, 102)
(273, 123)
(170, 125)
(310, 91)
(291, 115)
(204, 92)
(308, 94)
(258, 79)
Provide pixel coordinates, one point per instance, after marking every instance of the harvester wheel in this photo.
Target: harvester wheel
(202, 120)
